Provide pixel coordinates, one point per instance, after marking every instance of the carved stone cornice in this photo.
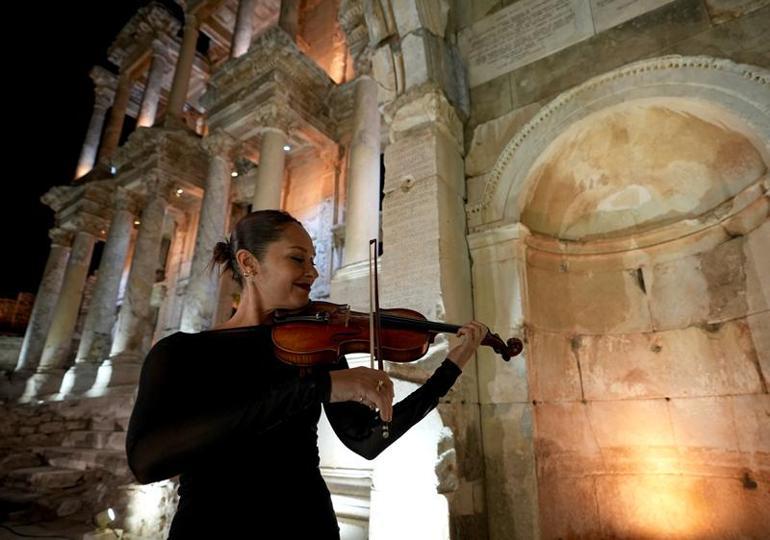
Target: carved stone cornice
(60, 237)
(148, 22)
(87, 223)
(58, 197)
(272, 85)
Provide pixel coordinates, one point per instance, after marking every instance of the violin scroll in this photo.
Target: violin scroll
(507, 350)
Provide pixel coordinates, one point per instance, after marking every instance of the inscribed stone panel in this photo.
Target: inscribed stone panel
(411, 158)
(522, 33)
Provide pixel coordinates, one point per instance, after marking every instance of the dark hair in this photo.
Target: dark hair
(253, 232)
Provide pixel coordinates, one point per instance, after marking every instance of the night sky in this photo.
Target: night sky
(48, 104)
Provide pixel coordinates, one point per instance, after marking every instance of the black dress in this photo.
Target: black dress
(240, 428)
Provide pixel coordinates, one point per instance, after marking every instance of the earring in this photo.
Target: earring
(247, 274)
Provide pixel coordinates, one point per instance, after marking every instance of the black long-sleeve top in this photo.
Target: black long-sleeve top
(239, 427)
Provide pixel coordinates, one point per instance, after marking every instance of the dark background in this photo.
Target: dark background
(48, 103)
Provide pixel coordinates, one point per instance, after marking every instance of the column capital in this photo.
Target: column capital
(124, 199)
(190, 19)
(274, 117)
(158, 186)
(103, 97)
(103, 78)
(219, 143)
(60, 237)
(363, 62)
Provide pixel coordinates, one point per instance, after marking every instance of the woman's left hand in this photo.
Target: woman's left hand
(471, 335)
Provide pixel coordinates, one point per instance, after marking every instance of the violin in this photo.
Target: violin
(321, 332)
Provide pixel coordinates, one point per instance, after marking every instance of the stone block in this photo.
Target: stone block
(743, 40)
(665, 506)
(490, 138)
(704, 423)
(722, 11)
(756, 254)
(564, 442)
(384, 71)
(490, 100)
(497, 294)
(631, 423)
(593, 302)
(678, 293)
(752, 422)
(677, 363)
(724, 269)
(470, 12)
(510, 470)
(759, 326)
(568, 509)
(430, 14)
(553, 367)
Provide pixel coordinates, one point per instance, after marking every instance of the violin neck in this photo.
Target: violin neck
(395, 321)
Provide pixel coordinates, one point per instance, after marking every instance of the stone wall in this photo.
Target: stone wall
(66, 460)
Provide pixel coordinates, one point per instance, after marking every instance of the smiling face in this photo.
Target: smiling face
(284, 276)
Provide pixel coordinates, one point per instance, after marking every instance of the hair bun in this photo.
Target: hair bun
(223, 252)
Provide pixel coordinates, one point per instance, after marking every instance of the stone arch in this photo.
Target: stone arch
(741, 90)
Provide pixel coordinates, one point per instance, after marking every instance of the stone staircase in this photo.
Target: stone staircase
(67, 481)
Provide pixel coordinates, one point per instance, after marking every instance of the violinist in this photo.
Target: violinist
(239, 426)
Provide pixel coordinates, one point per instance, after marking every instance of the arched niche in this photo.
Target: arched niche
(741, 91)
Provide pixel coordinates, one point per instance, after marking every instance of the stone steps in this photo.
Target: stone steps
(86, 459)
(109, 440)
(43, 478)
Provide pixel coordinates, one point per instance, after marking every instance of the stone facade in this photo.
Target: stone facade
(589, 176)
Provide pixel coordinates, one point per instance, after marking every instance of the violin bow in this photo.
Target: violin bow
(375, 326)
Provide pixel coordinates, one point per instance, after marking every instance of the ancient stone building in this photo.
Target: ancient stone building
(591, 176)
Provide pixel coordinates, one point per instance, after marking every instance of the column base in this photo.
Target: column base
(12, 387)
(79, 379)
(42, 385)
(118, 371)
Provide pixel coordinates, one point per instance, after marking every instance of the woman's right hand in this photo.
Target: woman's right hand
(372, 387)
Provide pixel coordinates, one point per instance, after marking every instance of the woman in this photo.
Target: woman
(240, 426)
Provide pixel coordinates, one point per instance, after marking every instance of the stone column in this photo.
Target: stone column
(97, 330)
(244, 28)
(58, 343)
(426, 266)
(45, 302)
(122, 368)
(183, 69)
(104, 94)
(158, 69)
(200, 300)
(361, 215)
(272, 160)
(117, 116)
